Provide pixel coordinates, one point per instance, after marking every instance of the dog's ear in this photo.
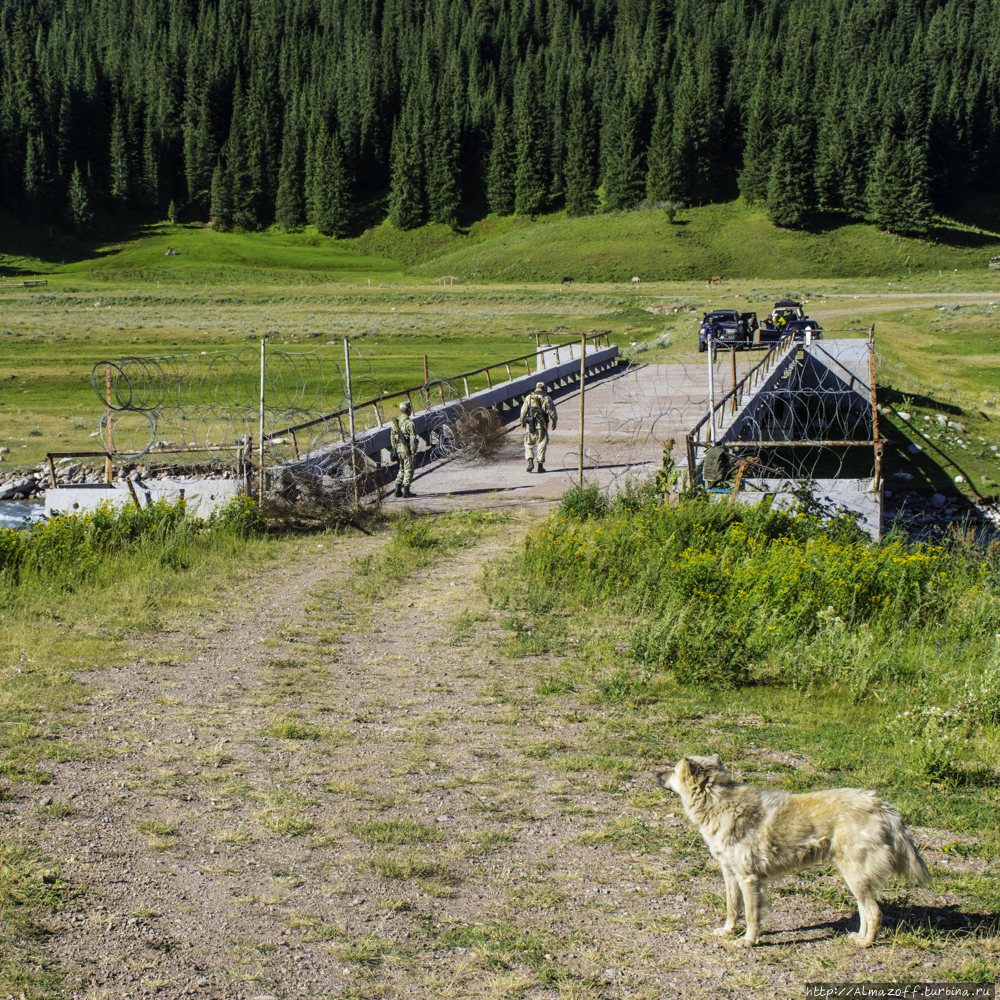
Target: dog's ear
(715, 759)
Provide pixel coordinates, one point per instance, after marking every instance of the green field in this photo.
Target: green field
(305, 293)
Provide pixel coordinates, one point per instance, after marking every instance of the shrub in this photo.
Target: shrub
(583, 502)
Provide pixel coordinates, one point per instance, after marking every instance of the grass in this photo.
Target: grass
(878, 662)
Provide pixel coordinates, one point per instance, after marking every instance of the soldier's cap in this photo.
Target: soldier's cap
(405, 407)
(539, 385)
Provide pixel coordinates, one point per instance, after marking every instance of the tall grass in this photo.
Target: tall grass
(729, 595)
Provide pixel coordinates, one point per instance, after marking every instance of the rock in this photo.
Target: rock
(913, 449)
(956, 426)
(902, 415)
(4, 450)
(938, 500)
(985, 480)
(901, 475)
(887, 494)
(959, 479)
(941, 419)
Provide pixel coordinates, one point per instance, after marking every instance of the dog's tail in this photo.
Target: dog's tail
(906, 860)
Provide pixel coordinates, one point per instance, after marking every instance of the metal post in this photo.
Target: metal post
(583, 374)
(350, 400)
(107, 428)
(732, 356)
(260, 446)
(711, 393)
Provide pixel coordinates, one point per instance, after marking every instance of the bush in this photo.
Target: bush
(584, 502)
(725, 594)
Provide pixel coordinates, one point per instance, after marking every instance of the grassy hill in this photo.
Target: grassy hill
(731, 240)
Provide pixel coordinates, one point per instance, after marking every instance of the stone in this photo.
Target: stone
(913, 449)
(938, 500)
(956, 426)
(903, 416)
(901, 475)
(959, 479)
(941, 419)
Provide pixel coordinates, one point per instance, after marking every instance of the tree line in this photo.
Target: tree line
(295, 112)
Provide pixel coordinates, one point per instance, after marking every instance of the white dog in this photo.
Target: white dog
(758, 835)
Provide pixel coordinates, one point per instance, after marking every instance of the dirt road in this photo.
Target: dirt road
(321, 797)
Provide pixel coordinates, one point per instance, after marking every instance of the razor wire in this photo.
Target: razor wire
(211, 403)
(795, 431)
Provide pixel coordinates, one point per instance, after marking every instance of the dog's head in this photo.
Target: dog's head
(691, 774)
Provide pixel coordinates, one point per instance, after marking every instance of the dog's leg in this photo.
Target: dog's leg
(869, 914)
(753, 893)
(734, 902)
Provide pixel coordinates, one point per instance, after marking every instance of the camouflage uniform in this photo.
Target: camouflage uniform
(403, 439)
(536, 412)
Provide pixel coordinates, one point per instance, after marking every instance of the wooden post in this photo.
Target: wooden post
(260, 446)
(466, 381)
(583, 373)
(441, 392)
(107, 429)
(52, 471)
(536, 341)
(510, 378)
(527, 367)
(295, 446)
(489, 383)
(427, 392)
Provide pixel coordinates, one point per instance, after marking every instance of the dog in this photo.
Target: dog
(759, 835)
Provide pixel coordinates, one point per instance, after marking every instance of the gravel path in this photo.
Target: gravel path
(321, 799)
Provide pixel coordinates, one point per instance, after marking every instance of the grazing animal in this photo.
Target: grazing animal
(567, 281)
(635, 281)
(715, 278)
(758, 835)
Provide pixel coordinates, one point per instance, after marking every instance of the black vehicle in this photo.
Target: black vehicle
(731, 327)
(788, 317)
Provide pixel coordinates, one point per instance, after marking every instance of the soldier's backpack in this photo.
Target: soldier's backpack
(536, 418)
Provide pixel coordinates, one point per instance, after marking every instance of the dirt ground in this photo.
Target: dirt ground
(309, 797)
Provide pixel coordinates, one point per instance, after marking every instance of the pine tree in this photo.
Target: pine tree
(581, 159)
(222, 197)
(658, 155)
(406, 209)
(899, 187)
(758, 141)
(119, 158)
(530, 188)
(331, 196)
(443, 190)
(290, 204)
(172, 212)
(624, 167)
(37, 179)
(789, 199)
(503, 163)
(78, 204)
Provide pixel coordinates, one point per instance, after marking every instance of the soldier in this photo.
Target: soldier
(403, 441)
(536, 412)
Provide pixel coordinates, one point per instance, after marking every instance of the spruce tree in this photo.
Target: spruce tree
(119, 158)
(172, 212)
(221, 209)
(290, 205)
(530, 187)
(624, 169)
(442, 167)
(899, 188)
(406, 209)
(581, 159)
(503, 164)
(758, 141)
(331, 197)
(789, 195)
(658, 155)
(78, 204)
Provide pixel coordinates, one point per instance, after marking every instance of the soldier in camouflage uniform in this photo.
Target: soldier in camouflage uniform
(403, 441)
(536, 412)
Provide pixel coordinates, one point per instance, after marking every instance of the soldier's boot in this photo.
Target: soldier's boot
(407, 492)
(531, 465)
(399, 490)
(541, 468)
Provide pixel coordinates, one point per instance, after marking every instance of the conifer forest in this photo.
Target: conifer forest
(336, 113)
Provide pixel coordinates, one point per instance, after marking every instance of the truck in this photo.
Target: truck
(735, 328)
(786, 317)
